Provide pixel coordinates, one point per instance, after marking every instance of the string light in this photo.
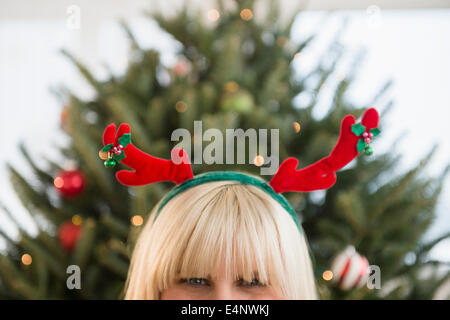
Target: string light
(297, 126)
(231, 86)
(58, 182)
(327, 275)
(77, 220)
(180, 106)
(213, 15)
(26, 259)
(297, 55)
(246, 14)
(258, 161)
(137, 220)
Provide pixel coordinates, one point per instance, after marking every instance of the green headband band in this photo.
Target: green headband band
(234, 176)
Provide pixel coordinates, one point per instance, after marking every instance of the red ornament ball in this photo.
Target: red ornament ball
(69, 183)
(68, 234)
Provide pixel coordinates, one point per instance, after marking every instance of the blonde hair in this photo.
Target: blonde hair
(221, 222)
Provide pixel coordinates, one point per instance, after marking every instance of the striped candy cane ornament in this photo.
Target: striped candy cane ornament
(350, 269)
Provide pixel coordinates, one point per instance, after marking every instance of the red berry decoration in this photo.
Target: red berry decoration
(350, 269)
(69, 183)
(68, 234)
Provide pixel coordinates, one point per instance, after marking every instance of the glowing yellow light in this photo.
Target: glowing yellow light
(297, 126)
(246, 14)
(77, 220)
(322, 85)
(258, 161)
(58, 182)
(180, 106)
(137, 221)
(213, 15)
(26, 259)
(231, 86)
(327, 275)
(298, 54)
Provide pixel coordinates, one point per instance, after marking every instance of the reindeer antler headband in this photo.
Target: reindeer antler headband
(353, 139)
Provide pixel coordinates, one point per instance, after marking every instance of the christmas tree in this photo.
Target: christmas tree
(235, 73)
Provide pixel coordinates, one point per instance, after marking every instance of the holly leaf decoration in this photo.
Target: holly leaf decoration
(124, 140)
(361, 145)
(119, 157)
(375, 131)
(107, 147)
(358, 129)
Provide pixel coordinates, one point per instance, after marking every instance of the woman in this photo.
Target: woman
(221, 240)
(227, 235)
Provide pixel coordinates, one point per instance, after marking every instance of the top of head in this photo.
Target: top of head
(229, 176)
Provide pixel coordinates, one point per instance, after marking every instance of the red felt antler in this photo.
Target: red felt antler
(148, 169)
(322, 174)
